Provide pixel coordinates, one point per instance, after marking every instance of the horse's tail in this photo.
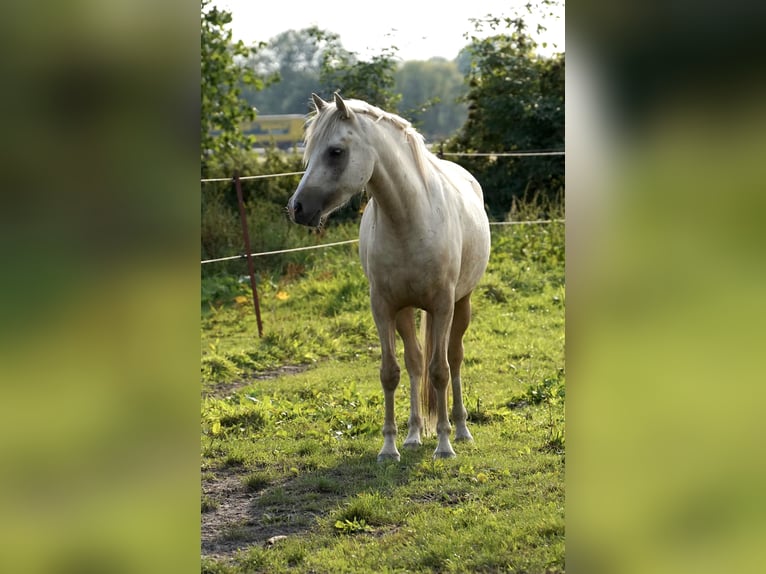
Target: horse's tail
(427, 391)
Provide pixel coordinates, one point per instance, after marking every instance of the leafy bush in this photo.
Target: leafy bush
(219, 289)
(268, 226)
(515, 103)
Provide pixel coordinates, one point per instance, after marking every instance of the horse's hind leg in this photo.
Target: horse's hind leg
(413, 360)
(439, 374)
(460, 322)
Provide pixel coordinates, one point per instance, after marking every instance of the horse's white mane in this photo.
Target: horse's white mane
(319, 125)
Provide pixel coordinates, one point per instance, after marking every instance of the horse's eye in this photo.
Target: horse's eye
(336, 151)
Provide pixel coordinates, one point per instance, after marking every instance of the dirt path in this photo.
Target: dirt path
(223, 389)
(235, 523)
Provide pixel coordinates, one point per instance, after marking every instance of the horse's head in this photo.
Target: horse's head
(339, 162)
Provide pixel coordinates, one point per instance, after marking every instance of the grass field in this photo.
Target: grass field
(291, 426)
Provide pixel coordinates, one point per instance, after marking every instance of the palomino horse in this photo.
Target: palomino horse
(423, 240)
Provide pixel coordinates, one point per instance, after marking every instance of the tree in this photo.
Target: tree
(314, 60)
(515, 102)
(292, 60)
(223, 110)
(371, 81)
(430, 92)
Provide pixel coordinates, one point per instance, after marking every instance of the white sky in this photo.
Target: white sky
(428, 28)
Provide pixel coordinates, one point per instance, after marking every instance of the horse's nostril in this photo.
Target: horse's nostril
(298, 207)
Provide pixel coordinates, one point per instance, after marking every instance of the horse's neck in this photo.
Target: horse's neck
(397, 185)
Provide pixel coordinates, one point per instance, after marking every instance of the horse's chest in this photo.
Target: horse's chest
(409, 276)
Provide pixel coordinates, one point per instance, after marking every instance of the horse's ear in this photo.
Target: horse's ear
(319, 103)
(341, 105)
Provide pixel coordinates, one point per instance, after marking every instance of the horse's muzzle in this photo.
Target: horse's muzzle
(299, 214)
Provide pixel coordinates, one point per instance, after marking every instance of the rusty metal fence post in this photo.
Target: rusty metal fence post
(250, 268)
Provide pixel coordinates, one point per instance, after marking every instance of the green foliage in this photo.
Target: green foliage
(242, 414)
(211, 566)
(217, 368)
(430, 92)
(351, 527)
(208, 504)
(265, 201)
(371, 81)
(362, 514)
(292, 59)
(515, 102)
(276, 190)
(256, 481)
(430, 468)
(546, 390)
(314, 60)
(221, 289)
(223, 109)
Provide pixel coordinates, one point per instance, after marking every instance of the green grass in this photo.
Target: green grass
(297, 454)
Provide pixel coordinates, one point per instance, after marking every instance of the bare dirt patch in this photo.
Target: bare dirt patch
(221, 526)
(244, 519)
(237, 521)
(226, 388)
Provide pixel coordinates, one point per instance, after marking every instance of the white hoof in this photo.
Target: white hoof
(463, 434)
(413, 441)
(444, 454)
(386, 456)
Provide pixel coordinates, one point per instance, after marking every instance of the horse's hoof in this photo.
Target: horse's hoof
(463, 437)
(444, 454)
(412, 444)
(385, 457)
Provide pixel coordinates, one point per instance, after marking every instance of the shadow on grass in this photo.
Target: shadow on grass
(299, 504)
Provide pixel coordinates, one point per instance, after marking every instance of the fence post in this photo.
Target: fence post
(246, 236)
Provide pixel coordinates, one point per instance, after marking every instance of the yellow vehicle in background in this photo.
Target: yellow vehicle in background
(286, 131)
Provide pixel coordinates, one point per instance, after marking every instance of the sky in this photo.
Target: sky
(430, 28)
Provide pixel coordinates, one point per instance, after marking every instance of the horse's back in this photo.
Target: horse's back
(469, 206)
(475, 237)
(457, 173)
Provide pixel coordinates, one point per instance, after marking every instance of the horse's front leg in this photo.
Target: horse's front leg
(460, 322)
(389, 378)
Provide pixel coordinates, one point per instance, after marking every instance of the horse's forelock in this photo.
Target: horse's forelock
(318, 127)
